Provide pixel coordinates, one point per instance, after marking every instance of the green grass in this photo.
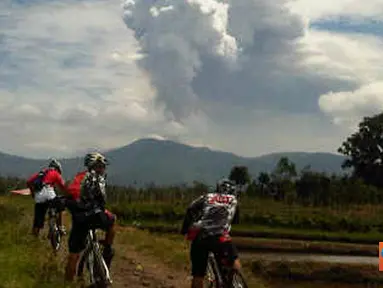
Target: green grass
(317, 271)
(24, 260)
(255, 231)
(265, 218)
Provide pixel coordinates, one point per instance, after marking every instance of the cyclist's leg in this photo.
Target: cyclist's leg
(110, 232)
(228, 251)
(76, 244)
(60, 207)
(107, 223)
(199, 256)
(39, 217)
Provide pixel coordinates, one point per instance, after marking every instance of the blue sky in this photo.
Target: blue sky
(349, 25)
(278, 75)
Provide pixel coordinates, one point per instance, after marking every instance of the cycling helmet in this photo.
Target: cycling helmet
(226, 186)
(55, 165)
(91, 159)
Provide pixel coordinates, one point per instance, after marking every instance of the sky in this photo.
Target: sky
(245, 76)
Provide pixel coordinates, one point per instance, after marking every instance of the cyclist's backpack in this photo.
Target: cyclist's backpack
(38, 183)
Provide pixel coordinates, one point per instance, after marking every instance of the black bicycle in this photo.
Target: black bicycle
(99, 275)
(56, 206)
(220, 274)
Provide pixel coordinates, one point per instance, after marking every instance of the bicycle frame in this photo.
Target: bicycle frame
(54, 233)
(224, 274)
(92, 251)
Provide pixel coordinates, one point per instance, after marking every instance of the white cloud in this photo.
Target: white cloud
(70, 72)
(238, 75)
(353, 57)
(349, 107)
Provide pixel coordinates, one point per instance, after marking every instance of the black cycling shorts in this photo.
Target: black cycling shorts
(42, 208)
(200, 249)
(81, 225)
(39, 217)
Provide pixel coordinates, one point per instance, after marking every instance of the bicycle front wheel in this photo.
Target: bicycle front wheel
(101, 271)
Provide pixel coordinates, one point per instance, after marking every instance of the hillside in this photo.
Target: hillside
(168, 162)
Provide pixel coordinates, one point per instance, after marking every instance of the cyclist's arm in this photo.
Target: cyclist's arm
(236, 216)
(60, 183)
(191, 212)
(30, 185)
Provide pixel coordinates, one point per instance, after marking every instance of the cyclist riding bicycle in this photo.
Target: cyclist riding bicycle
(42, 186)
(87, 206)
(207, 223)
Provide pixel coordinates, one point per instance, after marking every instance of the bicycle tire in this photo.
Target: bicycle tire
(218, 280)
(101, 271)
(210, 280)
(81, 264)
(238, 280)
(54, 234)
(96, 266)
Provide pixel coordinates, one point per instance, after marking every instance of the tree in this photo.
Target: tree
(283, 176)
(240, 175)
(285, 169)
(364, 151)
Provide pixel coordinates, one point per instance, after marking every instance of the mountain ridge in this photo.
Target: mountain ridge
(166, 162)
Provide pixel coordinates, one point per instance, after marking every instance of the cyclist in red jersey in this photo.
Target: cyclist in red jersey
(44, 192)
(87, 206)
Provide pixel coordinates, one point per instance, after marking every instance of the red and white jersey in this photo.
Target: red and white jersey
(214, 212)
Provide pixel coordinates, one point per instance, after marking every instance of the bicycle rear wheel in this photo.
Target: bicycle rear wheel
(210, 279)
(54, 233)
(238, 280)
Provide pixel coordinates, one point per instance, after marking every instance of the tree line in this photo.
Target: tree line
(364, 185)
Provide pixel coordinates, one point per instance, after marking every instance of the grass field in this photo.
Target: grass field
(24, 260)
(29, 262)
(269, 219)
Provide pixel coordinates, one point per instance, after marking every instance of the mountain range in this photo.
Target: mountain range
(165, 162)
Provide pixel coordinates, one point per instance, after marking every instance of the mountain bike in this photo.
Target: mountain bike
(219, 271)
(220, 274)
(56, 205)
(92, 258)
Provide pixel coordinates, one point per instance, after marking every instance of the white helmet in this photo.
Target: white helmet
(91, 159)
(55, 165)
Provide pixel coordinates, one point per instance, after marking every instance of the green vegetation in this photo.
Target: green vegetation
(263, 217)
(314, 271)
(24, 260)
(306, 201)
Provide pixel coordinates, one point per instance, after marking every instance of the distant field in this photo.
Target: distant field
(265, 218)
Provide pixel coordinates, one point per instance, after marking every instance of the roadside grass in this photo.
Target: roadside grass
(28, 262)
(24, 260)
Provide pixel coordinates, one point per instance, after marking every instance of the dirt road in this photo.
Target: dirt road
(132, 269)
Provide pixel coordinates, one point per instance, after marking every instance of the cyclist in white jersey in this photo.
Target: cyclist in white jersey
(211, 215)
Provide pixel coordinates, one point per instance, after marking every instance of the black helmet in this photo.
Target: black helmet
(55, 165)
(226, 186)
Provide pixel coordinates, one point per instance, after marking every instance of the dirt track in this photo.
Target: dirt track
(132, 269)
